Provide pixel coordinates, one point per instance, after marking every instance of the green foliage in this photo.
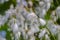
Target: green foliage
(47, 16)
(58, 21)
(21, 37)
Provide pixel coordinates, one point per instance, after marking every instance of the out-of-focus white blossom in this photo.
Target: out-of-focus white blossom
(54, 16)
(18, 2)
(47, 37)
(31, 31)
(59, 36)
(58, 11)
(52, 27)
(26, 26)
(41, 3)
(42, 21)
(24, 2)
(17, 35)
(3, 19)
(15, 27)
(1, 38)
(42, 33)
(47, 6)
(32, 38)
(47, 1)
(31, 16)
(30, 3)
(42, 13)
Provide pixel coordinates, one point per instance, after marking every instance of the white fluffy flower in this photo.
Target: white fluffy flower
(48, 6)
(3, 19)
(24, 2)
(31, 16)
(26, 26)
(42, 4)
(52, 27)
(18, 2)
(31, 31)
(42, 21)
(32, 38)
(15, 26)
(42, 33)
(42, 13)
(17, 35)
(47, 37)
(47, 1)
(58, 11)
(30, 3)
(54, 16)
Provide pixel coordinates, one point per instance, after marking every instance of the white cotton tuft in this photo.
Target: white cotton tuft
(42, 21)
(47, 1)
(42, 33)
(41, 3)
(52, 27)
(47, 37)
(15, 28)
(42, 13)
(31, 16)
(58, 11)
(32, 38)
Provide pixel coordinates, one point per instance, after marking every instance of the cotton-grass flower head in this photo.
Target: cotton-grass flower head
(42, 13)
(58, 11)
(13, 25)
(43, 7)
(42, 33)
(24, 3)
(53, 16)
(32, 37)
(41, 3)
(30, 3)
(50, 25)
(42, 22)
(31, 16)
(47, 37)
(3, 19)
